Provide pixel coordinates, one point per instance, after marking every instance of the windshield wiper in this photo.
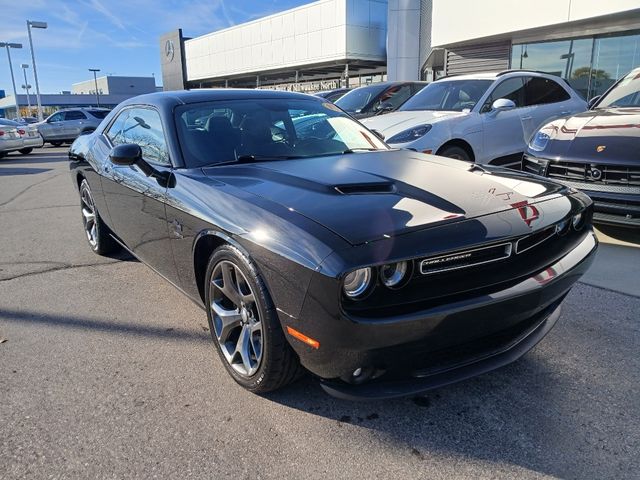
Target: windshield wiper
(257, 158)
(354, 150)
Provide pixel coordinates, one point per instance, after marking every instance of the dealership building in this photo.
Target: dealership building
(329, 43)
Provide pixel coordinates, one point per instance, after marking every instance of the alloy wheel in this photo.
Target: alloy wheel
(236, 318)
(89, 217)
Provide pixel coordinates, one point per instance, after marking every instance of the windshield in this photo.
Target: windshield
(282, 128)
(355, 100)
(624, 94)
(448, 95)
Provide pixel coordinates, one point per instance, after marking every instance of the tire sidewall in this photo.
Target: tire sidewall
(97, 249)
(457, 150)
(267, 313)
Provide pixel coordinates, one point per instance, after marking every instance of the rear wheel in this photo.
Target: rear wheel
(96, 231)
(244, 324)
(26, 151)
(458, 153)
(56, 143)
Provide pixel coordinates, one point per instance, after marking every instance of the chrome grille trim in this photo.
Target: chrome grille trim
(508, 248)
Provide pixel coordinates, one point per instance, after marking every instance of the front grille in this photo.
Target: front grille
(465, 259)
(535, 239)
(586, 173)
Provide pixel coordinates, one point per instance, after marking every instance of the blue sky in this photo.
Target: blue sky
(118, 36)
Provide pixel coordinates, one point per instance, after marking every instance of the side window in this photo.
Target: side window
(74, 115)
(511, 89)
(143, 127)
(114, 132)
(395, 96)
(544, 90)
(56, 117)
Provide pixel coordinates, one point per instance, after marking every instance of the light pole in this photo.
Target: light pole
(13, 81)
(33, 62)
(95, 80)
(26, 85)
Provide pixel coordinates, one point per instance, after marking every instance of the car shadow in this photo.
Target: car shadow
(21, 171)
(37, 156)
(630, 235)
(518, 415)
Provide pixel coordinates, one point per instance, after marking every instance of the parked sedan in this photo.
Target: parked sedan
(597, 151)
(384, 272)
(15, 136)
(482, 118)
(378, 98)
(67, 125)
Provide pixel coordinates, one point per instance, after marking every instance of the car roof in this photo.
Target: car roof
(496, 75)
(181, 97)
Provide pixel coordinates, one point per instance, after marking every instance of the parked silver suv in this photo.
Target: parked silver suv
(67, 125)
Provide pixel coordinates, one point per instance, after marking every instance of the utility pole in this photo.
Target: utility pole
(42, 25)
(95, 80)
(13, 80)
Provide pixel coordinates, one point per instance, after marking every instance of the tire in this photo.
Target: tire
(26, 151)
(274, 364)
(2, 154)
(56, 143)
(95, 230)
(455, 152)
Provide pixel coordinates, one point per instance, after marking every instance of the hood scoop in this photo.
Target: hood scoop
(365, 188)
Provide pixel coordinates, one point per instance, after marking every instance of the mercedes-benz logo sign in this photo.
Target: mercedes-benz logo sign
(596, 174)
(169, 50)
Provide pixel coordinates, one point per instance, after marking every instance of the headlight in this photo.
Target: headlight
(539, 141)
(578, 221)
(357, 282)
(392, 274)
(410, 135)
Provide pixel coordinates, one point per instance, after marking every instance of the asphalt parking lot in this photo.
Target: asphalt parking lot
(106, 371)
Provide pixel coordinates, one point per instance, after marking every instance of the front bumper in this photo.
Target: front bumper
(443, 344)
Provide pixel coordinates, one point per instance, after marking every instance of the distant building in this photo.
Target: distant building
(112, 91)
(114, 85)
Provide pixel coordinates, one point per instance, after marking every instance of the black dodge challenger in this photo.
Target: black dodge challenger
(597, 151)
(313, 245)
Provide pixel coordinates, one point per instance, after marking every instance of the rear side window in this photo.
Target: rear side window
(99, 113)
(74, 115)
(544, 90)
(511, 89)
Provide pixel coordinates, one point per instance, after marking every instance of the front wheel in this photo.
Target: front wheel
(56, 143)
(94, 228)
(244, 324)
(457, 153)
(26, 151)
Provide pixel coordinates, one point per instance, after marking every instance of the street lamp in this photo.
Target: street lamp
(13, 81)
(95, 80)
(33, 24)
(26, 85)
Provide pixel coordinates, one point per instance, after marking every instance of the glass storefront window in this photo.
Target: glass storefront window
(590, 65)
(613, 58)
(569, 59)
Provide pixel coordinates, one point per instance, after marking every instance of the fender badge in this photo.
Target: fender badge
(600, 148)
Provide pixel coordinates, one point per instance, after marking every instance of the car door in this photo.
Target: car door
(502, 130)
(51, 129)
(73, 124)
(136, 203)
(547, 101)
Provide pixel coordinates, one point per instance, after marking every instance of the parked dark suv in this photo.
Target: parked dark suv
(378, 98)
(597, 151)
(67, 125)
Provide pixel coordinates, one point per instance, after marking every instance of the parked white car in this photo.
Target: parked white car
(482, 118)
(15, 136)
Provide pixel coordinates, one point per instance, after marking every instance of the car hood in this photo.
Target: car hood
(368, 196)
(607, 135)
(396, 122)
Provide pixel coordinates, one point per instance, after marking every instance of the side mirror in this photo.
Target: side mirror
(378, 134)
(593, 101)
(126, 154)
(503, 104)
(129, 154)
